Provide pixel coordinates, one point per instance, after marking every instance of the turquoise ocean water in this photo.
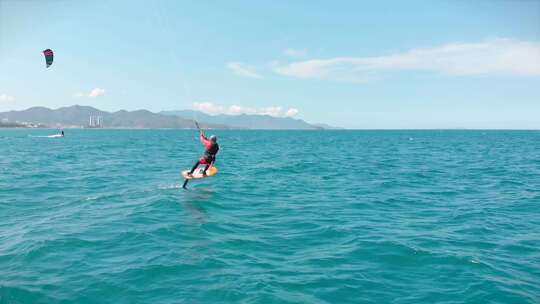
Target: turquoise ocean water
(292, 217)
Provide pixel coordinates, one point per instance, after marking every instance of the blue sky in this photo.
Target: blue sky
(356, 64)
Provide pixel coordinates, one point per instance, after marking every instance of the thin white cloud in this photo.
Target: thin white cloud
(92, 94)
(291, 112)
(295, 52)
(96, 92)
(215, 109)
(6, 98)
(272, 111)
(243, 70)
(490, 57)
(208, 108)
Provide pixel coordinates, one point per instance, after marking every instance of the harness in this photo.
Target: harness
(211, 153)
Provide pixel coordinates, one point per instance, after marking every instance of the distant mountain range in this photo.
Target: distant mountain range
(245, 121)
(78, 116)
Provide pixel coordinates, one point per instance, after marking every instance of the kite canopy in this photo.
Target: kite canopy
(48, 57)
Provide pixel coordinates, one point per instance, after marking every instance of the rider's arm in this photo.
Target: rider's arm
(205, 141)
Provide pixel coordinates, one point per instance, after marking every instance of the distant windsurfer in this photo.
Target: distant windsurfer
(62, 133)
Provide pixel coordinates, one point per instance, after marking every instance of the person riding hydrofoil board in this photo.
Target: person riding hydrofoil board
(209, 157)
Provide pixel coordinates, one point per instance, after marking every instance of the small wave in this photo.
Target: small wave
(169, 186)
(46, 136)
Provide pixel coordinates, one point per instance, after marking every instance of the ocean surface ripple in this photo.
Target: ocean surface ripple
(292, 217)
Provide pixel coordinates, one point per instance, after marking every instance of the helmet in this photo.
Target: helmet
(213, 138)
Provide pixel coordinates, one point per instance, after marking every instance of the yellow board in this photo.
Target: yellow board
(198, 173)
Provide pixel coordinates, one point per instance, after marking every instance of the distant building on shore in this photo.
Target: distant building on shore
(95, 121)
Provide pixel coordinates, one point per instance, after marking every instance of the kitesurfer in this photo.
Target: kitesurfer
(62, 133)
(49, 57)
(209, 157)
